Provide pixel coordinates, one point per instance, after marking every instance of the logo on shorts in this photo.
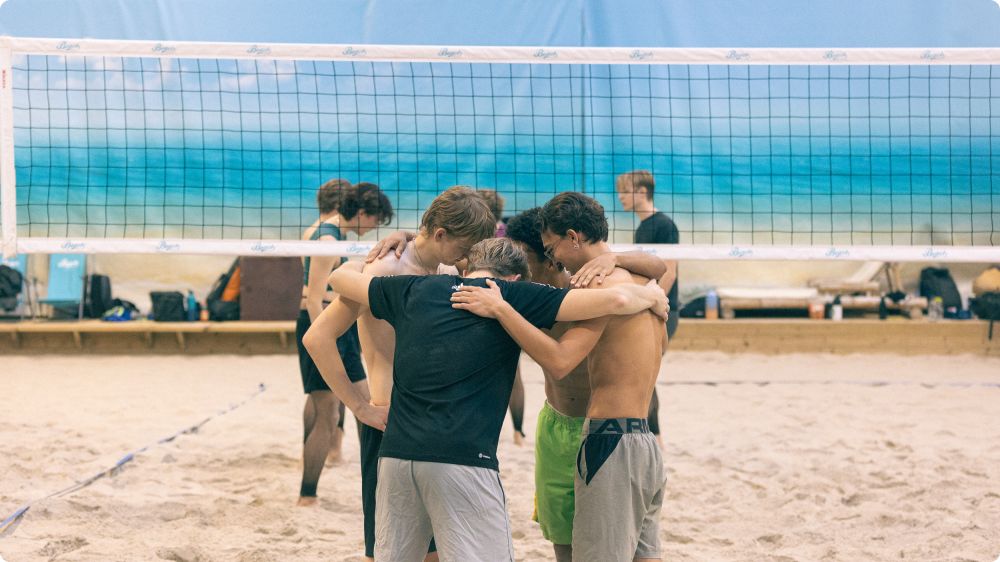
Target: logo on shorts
(487, 457)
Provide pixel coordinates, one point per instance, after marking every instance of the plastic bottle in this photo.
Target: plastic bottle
(836, 310)
(883, 309)
(935, 310)
(712, 305)
(192, 307)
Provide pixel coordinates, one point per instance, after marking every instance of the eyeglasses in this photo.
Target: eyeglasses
(551, 250)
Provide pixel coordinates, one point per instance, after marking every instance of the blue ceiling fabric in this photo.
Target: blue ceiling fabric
(647, 23)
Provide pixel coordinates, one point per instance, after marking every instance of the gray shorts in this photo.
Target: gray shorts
(463, 507)
(619, 492)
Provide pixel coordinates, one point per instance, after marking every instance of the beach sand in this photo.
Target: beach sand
(794, 470)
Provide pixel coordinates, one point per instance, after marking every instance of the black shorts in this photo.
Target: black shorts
(350, 351)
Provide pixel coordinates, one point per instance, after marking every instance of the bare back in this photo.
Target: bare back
(570, 396)
(626, 360)
(378, 338)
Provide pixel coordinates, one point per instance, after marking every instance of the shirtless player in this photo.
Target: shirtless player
(455, 220)
(619, 475)
(560, 423)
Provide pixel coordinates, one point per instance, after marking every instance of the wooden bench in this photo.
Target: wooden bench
(85, 334)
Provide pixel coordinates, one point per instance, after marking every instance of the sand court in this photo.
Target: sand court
(804, 460)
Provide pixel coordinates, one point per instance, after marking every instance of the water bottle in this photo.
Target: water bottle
(935, 310)
(192, 307)
(836, 310)
(712, 305)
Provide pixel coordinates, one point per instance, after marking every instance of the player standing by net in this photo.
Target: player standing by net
(342, 207)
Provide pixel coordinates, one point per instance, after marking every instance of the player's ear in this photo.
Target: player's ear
(439, 234)
(573, 237)
(515, 277)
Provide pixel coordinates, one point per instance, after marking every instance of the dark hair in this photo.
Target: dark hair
(499, 256)
(347, 200)
(329, 195)
(462, 213)
(526, 228)
(573, 210)
(495, 202)
(639, 178)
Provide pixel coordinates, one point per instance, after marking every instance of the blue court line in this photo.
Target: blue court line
(959, 384)
(8, 525)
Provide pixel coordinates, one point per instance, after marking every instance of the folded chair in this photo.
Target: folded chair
(66, 284)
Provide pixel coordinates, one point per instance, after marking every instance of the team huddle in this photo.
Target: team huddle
(440, 322)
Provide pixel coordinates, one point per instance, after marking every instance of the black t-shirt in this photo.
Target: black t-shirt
(659, 229)
(453, 371)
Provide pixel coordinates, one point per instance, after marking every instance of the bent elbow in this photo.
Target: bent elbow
(621, 303)
(336, 279)
(560, 369)
(309, 339)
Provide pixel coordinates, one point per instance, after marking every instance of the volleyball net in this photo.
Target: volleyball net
(146, 147)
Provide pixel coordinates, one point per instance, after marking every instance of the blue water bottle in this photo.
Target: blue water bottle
(192, 307)
(712, 305)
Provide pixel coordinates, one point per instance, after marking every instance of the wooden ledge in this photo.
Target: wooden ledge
(107, 337)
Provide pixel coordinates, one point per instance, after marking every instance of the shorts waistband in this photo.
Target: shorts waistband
(559, 416)
(615, 426)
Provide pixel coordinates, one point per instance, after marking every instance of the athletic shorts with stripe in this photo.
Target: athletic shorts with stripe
(619, 492)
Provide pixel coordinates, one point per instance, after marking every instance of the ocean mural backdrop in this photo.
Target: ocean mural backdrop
(761, 154)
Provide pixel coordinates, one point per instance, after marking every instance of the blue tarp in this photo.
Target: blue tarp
(641, 23)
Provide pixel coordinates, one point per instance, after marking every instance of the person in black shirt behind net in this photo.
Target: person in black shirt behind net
(452, 378)
(635, 192)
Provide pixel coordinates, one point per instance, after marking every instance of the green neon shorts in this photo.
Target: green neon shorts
(557, 442)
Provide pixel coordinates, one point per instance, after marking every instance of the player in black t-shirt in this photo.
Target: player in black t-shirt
(452, 378)
(635, 193)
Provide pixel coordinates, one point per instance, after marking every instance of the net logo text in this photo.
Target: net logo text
(256, 50)
(545, 55)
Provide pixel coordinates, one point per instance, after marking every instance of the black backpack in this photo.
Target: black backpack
(98, 299)
(10, 286)
(987, 307)
(937, 282)
(218, 309)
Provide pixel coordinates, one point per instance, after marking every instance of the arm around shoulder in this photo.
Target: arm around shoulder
(349, 281)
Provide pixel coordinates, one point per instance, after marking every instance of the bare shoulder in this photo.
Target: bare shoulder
(618, 277)
(389, 265)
